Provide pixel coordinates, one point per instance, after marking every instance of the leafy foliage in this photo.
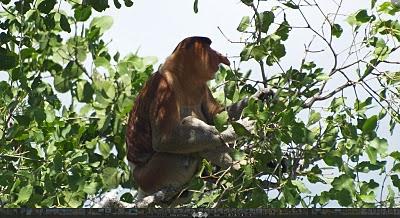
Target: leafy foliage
(341, 136)
(53, 153)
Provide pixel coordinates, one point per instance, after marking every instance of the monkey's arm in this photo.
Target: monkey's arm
(235, 110)
(189, 136)
(171, 133)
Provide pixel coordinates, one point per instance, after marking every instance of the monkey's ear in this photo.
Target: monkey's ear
(190, 41)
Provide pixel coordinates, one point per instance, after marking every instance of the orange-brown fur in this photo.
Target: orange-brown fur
(178, 90)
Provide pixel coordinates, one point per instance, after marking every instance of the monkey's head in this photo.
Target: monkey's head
(197, 58)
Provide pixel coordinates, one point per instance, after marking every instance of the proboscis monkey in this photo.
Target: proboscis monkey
(170, 128)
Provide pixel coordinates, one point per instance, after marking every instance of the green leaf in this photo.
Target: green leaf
(195, 6)
(51, 149)
(49, 21)
(104, 23)
(117, 4)
(62, 84)
(283, 30)
(395, 155)
(240, 130)
(5, 1)
(84, 91)
(46, 6)
(24, 194)
(344, 182)
(381, 145)
(230, 89)
(372, 154)
(108, 90)
(102, 62)
(82, 13)
(344, 198)
(110, 177)
(322, 77)
(301, 187)
(73, 199)
(333, 158)
(370, 124)
(58, 162)
(389, 8)
(6, 178)
(258, 52)
(314, 117)
(366, 166)
(336, 103)
(381, 51)
(359, 106)
(244, 24)
(373, 2)
(8, 59)
(314, 179)
(116, 57)
(266, 19)
(301, 135)
(48, 202)
(391, 196)
(363, 17)
(336, 30)
(221, 120)
(291, 5)
(64, 24)
(105, 149)
(245, 55)
(315, 169)
(72, 71)
(247, 2)
(128, 3)
(396, 168)
(395, 181)
(238, 155)
(98, 5)
(91, 188)
(127, 197)
(291, 195)
(23, 6)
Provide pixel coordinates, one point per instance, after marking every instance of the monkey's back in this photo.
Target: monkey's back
(138, 131)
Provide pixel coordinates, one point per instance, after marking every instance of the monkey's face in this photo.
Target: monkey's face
(199, 59)
(207, 60)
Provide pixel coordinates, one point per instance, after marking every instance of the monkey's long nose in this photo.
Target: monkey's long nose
(223, 59)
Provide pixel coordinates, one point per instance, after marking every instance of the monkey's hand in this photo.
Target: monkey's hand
(263, 94)
(229, 135)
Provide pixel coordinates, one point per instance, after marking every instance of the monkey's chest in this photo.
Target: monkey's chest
(194, 111)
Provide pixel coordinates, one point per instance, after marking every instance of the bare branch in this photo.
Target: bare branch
(320, 98)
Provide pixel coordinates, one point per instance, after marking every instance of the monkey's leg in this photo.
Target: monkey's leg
(165, 170)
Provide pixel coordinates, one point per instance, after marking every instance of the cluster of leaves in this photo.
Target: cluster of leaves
(298, 144)
(64, 100)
